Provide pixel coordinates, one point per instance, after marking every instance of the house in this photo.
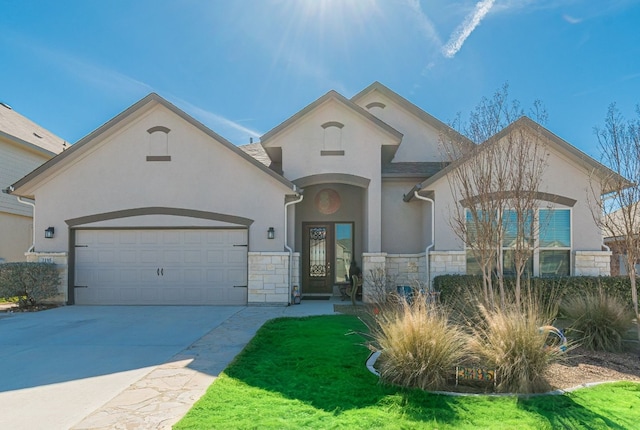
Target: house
(24, 146)
(155, 208)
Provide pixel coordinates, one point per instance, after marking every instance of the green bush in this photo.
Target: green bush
(420, 347)
(598, 319)
(453, 286)
(30, 282)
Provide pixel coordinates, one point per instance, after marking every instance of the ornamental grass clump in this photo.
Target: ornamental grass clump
(420, 347)
(510, 340)
(598, 320)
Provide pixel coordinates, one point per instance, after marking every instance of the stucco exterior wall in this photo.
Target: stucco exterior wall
(202, 175)
(420, 141)
(562, 177)
(405, 225)
(358, 145)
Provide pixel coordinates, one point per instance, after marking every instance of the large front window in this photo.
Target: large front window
(519, 235)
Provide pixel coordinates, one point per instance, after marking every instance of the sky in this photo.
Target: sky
(242, 67)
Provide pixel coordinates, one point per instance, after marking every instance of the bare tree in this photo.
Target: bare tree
(529, 160)
(496, 184)
(617, 195)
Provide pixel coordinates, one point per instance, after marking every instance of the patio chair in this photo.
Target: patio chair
(355, 289)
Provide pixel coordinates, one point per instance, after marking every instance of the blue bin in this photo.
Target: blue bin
(406, 292)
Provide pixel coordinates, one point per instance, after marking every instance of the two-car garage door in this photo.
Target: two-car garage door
(161, 267)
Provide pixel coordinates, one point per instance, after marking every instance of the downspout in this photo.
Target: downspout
(288, 248)
(24, 202)
(433, 233)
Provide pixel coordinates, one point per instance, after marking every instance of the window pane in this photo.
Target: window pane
(344, 251)
(509, 264)
(554, 263)
(473, 268)
(480, 226)
(555, 228)
(511, 225)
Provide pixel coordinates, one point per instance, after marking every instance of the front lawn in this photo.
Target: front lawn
(310, 373)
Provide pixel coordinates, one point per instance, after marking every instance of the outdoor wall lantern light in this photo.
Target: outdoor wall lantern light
(271, 233)
(48, 233)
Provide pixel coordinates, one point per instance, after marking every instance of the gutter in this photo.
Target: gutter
(433, 233)
(288, 248)
(33, 205)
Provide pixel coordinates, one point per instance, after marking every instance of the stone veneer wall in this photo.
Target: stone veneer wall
(61, 260)
(268, 282)
(406, 269)
(592, 263)
(447, 263)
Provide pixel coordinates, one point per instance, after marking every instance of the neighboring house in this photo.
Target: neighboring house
(617, 243)
(24, 146)
(155, 208)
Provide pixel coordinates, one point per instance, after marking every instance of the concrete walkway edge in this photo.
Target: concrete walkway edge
(165, 394)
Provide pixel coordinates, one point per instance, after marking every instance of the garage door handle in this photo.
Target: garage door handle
(240, 286)
(162, 271)
(158, 271)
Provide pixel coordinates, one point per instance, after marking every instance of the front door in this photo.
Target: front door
(326, 255)
(318, 257)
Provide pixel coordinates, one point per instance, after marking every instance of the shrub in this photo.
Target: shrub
(379, 284)
(30, 282)
(452, 286)
(599, 320)
(509, 339)
(420, 348)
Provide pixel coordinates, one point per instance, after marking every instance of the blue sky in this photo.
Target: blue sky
(242, 67)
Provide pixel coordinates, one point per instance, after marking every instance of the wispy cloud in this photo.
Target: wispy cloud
(571, 20)
(464, 30)
(426, 25)
(229, 129)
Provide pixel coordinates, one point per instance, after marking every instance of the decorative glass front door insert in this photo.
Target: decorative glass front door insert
(327, 251)
(318, 262)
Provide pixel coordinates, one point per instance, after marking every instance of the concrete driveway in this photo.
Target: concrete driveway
(59, 365)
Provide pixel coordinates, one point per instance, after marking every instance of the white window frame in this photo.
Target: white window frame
(536, 245)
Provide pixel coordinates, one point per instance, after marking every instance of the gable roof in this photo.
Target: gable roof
(92, 138)
(565, 148)
(410, 107)
(331, 95)
(24, 132)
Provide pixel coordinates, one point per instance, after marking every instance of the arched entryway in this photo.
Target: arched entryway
(329, 235)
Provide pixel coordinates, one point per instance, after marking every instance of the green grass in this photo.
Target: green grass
(309, 373)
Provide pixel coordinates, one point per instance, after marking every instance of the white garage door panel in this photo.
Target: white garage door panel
(161, 267)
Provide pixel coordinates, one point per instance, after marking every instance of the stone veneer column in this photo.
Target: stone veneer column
(592, 263)
(268, 278)
(372, 261)
(61, 260)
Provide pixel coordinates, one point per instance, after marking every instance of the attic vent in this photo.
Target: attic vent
(5, 105)
(332, 124)
(158, 144)
(37, 135)
(376, 105)
(332, 138)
